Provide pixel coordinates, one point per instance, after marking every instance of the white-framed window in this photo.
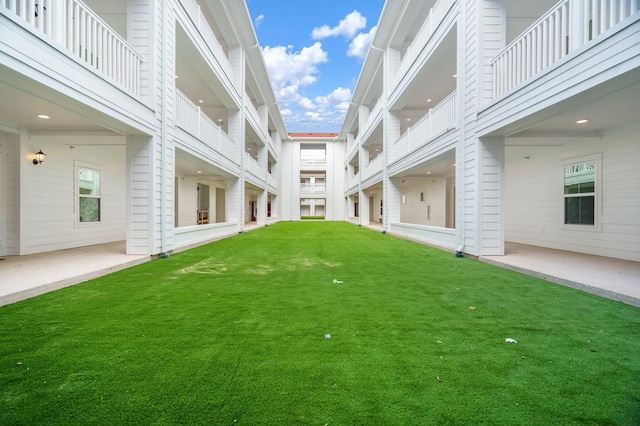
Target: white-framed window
(581, 192)
(88, 193)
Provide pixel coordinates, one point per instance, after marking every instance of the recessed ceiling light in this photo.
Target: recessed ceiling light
(582, 121)
(428, 100)
(219, 120)
(408, 119)
(44, 117)
(428, 173)
(455, 76)
(454, 164)
(200, 100)
(199, 171)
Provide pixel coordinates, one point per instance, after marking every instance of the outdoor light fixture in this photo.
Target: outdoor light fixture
(39, 157)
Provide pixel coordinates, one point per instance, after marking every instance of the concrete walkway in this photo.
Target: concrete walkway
(22, 277)
(611, 278)
(26, 276)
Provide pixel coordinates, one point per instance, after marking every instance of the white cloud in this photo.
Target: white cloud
(342, 107)
(360, 44)
(347, 27)
(339, 95)
(290, 70)
(286, 112)
(306, 103)
(258, 20)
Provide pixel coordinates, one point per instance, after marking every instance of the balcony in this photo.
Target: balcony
(569, 25)
(440, 119)
(312, 187)
(191, 119)
(84, 35)
(372, 168)
(200, 21)
(436, 15)
(254, 118)
(252, 166)
(373, 118)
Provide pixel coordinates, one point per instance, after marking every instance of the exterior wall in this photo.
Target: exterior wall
(534, 197)
(49, 212)
(496, 196)
(290, 165)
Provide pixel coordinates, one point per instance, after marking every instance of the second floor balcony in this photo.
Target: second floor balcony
(313, 187)
(438, 120)
(83, 34)
(566, 27)
(194, 121)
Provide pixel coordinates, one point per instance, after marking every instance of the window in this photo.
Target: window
(580, 193)
(89, 194)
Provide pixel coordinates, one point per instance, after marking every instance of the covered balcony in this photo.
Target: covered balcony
(561, 28)
(417, 31)
(202, 16)
(94, 32)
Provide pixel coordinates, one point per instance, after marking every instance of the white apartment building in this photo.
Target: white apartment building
(474, 123)
(157, 120)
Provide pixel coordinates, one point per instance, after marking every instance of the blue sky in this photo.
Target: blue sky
(314, 52)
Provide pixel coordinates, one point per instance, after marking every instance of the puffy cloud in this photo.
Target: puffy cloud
(360, 44)
(306, 103)
(290, 70)
(347, 27)
(342, 107)
(339, 95)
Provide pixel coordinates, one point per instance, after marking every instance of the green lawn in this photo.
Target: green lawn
(233, 333)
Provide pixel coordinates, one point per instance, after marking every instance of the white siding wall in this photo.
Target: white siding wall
(432, 210)
(469, 153)
(493, 40)
(49, 201)
(491, 202)
(534, 202)
(9, 194)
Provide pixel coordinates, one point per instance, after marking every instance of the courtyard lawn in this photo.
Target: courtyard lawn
(253, 330)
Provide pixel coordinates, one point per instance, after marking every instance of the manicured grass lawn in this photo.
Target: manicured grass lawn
(234, 333)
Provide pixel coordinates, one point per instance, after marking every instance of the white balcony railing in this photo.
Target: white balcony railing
(313, 187)
(373, 114)
(438, 120)
(372, 168)
(271, 180)
(84, 34)
(200, 21)
(254, 118)
(252, 166)
(567, 26)
(436, 15)
(354, 181)
(313, 161)
(191, 119)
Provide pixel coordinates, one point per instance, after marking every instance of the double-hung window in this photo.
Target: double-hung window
(580, 193)
(89, 184)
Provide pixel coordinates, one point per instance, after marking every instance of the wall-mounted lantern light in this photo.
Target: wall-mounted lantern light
(39, 157)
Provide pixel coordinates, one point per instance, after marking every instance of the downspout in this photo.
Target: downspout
(461, 208)
(163, 139)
